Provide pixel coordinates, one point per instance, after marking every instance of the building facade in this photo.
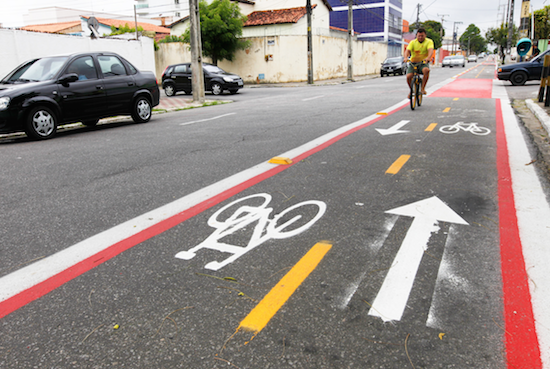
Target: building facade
(375, 20)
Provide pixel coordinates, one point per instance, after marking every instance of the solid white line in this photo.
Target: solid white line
(27, 277)
(533, 213)
(207, 119)
(313, 98)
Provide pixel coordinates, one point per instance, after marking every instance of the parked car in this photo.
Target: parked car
(519, 73)
(396, 65)
(177, 77)
(454, 61)
(472, 58)
(43, 93)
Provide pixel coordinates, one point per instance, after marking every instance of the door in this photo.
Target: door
(85, 98)
(119, 85)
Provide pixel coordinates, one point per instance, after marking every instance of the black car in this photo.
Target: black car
(177, 77)
(43, 93)
(519, 73)
(396, 65)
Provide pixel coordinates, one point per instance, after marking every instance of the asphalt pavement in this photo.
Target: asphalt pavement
(324, 226)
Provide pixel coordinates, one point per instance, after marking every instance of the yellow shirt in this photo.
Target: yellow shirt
(419, 51)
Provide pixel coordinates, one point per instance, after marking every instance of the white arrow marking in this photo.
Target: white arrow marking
(394, 129)
(394, 293)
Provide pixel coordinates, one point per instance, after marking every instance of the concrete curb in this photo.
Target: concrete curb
(541, 115)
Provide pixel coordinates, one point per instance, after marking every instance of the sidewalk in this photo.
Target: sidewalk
(536, 119)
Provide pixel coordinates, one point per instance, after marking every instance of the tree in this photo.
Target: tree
(124, 29)
(499, 37)
(472, 40)
(433, 31)
(542, 25)
(221, 25)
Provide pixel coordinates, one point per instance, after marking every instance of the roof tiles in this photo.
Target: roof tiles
(279, 16)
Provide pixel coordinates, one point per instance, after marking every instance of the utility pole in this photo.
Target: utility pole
(135, 21)
(309, 45)
(418, 6)
(197, 79)
(510, 26)
(438, 58)
(350, 40)
(454, 36)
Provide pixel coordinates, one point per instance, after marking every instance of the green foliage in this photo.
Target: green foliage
(172, 38)
(433, 31)
(542, 25)
(499, 37)
(221, 27)
(124, 29)
(472, 41)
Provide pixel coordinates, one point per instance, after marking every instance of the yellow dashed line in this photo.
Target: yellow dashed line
(398, 164)
(456, 99)
(275, 299)
(446, 110)
(431, 127)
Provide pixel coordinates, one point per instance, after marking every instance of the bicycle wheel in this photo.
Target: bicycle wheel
(449, 129)
(480, 131)
(419, 91)
(412, 96)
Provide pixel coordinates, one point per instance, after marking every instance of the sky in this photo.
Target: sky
(483, 13)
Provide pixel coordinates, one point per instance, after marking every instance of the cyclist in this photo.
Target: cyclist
(420, 50)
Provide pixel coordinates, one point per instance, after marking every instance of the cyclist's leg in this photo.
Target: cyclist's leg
(410, 71)
(426, 74)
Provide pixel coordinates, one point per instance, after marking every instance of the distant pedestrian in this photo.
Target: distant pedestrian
(536, 51)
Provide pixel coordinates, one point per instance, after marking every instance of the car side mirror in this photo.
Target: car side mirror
(68, 78)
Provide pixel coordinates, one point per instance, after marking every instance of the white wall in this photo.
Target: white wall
(289, 58)
(19, 46)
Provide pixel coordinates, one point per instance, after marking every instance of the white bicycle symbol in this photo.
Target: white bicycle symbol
(264, 230)
(468, 127)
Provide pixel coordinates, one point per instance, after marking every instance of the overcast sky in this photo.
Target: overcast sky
(483, 13)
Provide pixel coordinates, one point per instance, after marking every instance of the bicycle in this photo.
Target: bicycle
(467, 127)
(415, 95)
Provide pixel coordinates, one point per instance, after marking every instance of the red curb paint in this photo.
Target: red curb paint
(522, 346)
(10, 305)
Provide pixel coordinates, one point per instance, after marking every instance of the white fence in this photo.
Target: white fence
(19, 46)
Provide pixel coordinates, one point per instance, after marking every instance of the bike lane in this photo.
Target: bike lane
(366, 214)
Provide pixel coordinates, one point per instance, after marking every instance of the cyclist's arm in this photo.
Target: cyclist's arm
(430, 55)
(407, 54)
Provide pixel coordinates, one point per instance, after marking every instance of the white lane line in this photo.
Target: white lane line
(31, 275)
(206, 120)
(313, 98)
(533, 214)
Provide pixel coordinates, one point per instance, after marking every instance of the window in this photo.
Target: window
(84, 67)
(181, 69)
(111, 66)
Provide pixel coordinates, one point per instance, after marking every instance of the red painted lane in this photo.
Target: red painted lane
(522, 345)
(10, 305)
(468, 88)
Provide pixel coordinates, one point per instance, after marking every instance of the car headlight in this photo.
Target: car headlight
(499, 70)
(228, 79)
(4, 102)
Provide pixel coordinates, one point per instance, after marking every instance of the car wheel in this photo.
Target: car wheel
(41, 123)
(216, 88)
(169, 90)
(233, 92)
(141, 111)
(381, 74)
(518, 78)
(90, 123)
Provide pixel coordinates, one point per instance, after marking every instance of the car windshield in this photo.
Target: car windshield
(40, 70)
(393, 60)
(213, 69)
(540, 56)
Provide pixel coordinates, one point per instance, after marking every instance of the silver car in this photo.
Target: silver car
(454, 61)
